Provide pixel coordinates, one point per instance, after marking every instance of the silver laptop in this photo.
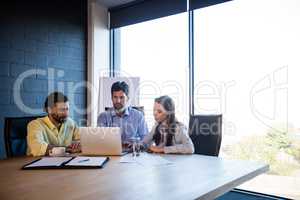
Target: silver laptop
(100, 141)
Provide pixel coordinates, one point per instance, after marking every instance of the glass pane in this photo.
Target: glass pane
(247, 67)
(157, 52)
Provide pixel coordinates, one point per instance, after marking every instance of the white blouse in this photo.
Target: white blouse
(182, 143)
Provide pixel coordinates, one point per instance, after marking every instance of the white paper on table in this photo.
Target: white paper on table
(128, 158)
(87, 161)
(49, 161)
(145, 159)
(152, 160)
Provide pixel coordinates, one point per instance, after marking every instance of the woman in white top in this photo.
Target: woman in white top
(167, 135)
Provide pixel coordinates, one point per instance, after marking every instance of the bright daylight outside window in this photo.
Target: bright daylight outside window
(247, 67)
(157, 52)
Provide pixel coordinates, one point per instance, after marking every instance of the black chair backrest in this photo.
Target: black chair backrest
(206, 133)
(139, 108)
(15, 133)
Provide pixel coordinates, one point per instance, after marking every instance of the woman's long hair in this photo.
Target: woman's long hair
(171, 121)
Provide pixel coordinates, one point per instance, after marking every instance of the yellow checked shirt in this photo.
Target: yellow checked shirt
(42, 131)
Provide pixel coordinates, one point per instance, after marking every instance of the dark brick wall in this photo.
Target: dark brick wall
(42, 49)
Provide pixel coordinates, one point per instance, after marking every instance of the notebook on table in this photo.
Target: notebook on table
(77, 162)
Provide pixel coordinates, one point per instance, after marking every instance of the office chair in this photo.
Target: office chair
(206, 133)
(139, 108)
(15, 133)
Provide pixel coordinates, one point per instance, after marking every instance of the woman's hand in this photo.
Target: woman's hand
(155, 149)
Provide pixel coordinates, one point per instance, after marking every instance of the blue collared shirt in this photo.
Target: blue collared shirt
(132, 123)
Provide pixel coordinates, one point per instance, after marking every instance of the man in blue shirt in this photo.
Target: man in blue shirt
(130, 120)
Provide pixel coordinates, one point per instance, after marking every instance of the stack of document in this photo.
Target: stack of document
(86, 161)
(67, 162)
(49, 161)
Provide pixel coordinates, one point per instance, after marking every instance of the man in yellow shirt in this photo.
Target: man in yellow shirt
(54, 130)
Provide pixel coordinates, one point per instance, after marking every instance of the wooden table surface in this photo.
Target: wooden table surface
(189, 177)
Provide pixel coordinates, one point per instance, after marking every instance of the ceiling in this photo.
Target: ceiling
(112, 3)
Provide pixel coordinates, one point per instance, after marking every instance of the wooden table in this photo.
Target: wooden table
(189, 177)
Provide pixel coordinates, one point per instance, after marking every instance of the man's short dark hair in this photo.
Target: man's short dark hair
(53, 98)
(120, 86)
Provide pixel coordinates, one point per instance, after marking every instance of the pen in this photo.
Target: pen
(85, 160)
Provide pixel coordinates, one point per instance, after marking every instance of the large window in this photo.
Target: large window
(157, 52)
(247, 68)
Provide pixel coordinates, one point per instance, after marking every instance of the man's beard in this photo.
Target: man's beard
(59, 119)
(119, 109)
